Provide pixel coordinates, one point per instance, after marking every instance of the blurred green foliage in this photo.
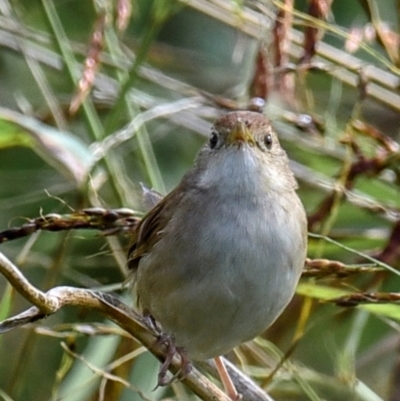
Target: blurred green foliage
(171, 51)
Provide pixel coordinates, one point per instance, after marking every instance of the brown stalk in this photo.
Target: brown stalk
(90, 65)
(318, 9)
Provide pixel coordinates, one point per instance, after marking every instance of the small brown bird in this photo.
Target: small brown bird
(218, 259)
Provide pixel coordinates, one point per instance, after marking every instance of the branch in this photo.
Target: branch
(322, 268)
(109, 221)
(48, 303)
(360, 298)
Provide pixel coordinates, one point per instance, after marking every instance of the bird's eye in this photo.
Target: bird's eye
(268, 141)
(213, 140)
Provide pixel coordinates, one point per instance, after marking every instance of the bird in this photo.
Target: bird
(216, 260)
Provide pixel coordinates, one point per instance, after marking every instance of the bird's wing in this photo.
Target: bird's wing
(150, 228)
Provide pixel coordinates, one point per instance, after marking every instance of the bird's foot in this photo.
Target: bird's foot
(172, 350)
(226, 380)
(151, 323)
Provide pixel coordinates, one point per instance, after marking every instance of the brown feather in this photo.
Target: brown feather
(149, 230)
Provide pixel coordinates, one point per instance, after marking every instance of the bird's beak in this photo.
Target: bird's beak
(240, 134)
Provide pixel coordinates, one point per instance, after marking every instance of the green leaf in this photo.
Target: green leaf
(62, 150)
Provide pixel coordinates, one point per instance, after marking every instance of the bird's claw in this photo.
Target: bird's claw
(172, 350)
(151, 323)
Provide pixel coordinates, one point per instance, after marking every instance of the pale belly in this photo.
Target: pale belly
(224, 282)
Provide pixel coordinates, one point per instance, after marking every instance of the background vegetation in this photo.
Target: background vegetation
(96, 98)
